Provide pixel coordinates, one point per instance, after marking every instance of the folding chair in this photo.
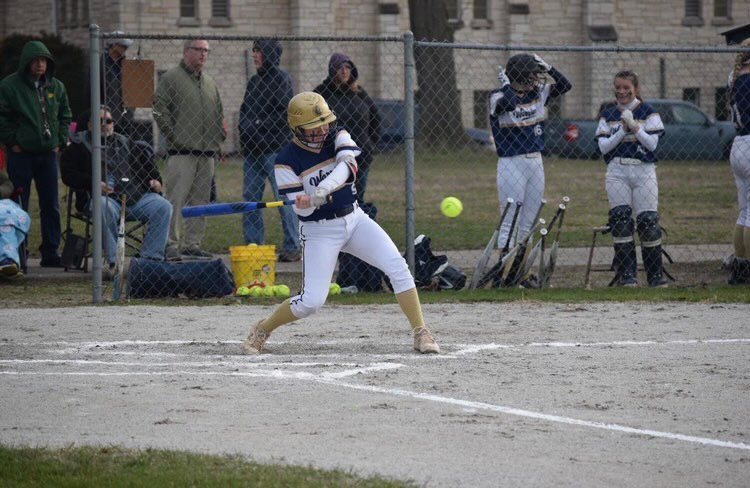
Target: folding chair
(77, 249)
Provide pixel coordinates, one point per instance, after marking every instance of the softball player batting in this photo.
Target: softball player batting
(627, 134)
(317, 170)
(739, 157)
(517, 114)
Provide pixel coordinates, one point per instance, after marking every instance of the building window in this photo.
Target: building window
(692, 95)
(62, 13)
(722, 12)
(454, 12)
(188, 13)
(220, 14)
(220, 9)
(481, 9)
(481, 15)
(722, 8)
(721, 99)
(85, 17)
(73, 13)
(693, 13)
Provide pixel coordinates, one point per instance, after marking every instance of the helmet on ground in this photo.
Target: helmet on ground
(524, 73)
(308, 110)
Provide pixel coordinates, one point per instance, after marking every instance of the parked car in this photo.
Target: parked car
(689, 134)
(392, 126)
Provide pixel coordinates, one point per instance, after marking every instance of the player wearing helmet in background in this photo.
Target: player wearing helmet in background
(739, 88)
(517, 114)
(627, 134)
(317, 170)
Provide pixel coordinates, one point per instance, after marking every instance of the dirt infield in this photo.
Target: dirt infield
(524, 394)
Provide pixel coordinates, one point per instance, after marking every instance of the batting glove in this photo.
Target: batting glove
(627, 118)
(502, 77)
(319, 198)
(544, 65)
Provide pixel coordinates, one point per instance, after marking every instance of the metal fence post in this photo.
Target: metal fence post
(409, 147)
(96, 161)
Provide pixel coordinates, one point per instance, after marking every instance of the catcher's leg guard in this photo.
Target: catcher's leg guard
(650, 235)
(740, 272)
(622, 226)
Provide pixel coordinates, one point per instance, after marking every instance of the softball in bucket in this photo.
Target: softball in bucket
(451, 207)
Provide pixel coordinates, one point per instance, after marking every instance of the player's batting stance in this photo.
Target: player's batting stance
(517, 114)
(317, 170)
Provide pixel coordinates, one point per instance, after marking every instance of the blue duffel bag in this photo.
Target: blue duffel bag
(192, 279)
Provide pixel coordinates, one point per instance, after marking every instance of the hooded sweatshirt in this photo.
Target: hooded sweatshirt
(35, 117)
(263, 122)
(355, 110)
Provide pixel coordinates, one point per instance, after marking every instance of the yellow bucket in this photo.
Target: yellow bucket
(253, 265)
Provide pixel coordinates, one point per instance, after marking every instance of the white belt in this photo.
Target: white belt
(628, 161)
(533, 155)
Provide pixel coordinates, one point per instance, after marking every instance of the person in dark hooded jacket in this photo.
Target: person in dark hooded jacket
(355, 110)
(34, 119)
(263, 132)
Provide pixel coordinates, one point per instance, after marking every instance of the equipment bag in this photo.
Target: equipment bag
(193, 279)
(355, 272)
(433, 272)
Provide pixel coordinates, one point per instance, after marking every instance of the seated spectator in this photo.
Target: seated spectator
(121, 158)
(15, 226)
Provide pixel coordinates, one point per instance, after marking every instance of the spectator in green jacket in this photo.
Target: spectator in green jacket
(188, 111)
(34, 119)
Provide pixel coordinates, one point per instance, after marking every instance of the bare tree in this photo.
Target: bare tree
(437, 95)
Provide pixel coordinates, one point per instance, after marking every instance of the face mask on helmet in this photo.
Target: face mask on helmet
(310, 119)
(524, 74)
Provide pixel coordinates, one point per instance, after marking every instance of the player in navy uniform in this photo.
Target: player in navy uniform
(627, 134)
(739, 89)
(317, 170)
(517, 115)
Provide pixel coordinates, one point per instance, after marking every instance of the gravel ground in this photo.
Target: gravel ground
(524, 394)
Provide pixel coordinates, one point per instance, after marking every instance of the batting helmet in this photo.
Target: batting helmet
(308, 110)
(524, 73)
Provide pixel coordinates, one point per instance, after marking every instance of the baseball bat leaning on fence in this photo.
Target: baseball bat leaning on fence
(518, 250)
(512, 252)
(230, 208)
(497, 268)
(120, 250)
(485, 257)
(553, 249)
(514, 273)
(594, 231)
(539, 248)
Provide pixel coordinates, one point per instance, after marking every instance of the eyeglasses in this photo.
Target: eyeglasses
(200, 49)
(107, 121)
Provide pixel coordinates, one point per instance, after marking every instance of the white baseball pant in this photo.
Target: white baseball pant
(521, 178)
(632, 184)
(356, 234)
(740, 161)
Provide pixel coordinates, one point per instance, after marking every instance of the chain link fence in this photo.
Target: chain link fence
(214, 139)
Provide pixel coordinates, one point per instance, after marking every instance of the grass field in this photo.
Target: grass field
(697, 199)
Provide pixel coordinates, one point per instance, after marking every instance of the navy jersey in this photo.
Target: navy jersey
(301, 169)
(610, 122)
(741, 104)
(518, 122)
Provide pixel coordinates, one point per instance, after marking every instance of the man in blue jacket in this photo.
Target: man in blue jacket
(263, 132)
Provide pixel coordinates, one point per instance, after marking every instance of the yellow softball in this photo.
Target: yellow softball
(451, 207)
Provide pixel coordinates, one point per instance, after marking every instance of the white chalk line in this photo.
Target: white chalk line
(540, 416)
(332, 379)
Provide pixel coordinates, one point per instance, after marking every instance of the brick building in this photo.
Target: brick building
(699, 77)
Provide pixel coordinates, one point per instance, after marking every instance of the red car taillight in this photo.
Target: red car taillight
(571, 133)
